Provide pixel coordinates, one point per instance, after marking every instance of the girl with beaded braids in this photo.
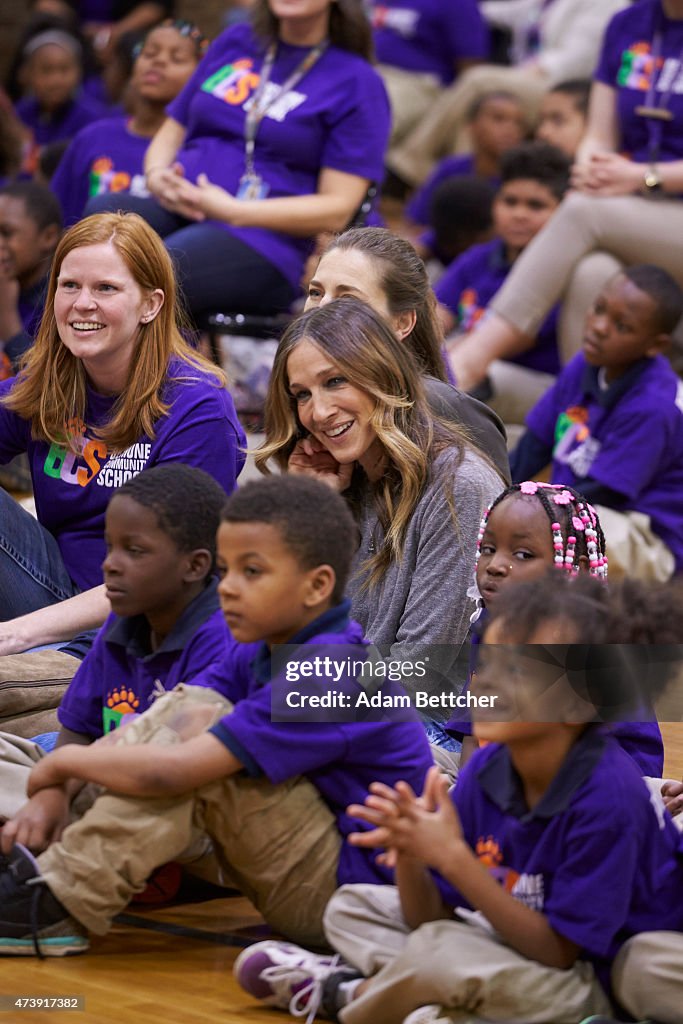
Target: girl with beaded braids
(527, 529)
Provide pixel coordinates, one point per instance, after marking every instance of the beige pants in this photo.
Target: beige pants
(443, 129)
(411, 95)
(630, 228)
(458, 966)
(516, 390)
(278, 844)
(632, 548)
(17, 758)
(648, 976)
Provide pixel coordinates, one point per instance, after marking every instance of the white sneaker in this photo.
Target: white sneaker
(284, 975)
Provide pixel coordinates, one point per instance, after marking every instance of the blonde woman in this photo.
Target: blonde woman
(109, 388)
(347, 405)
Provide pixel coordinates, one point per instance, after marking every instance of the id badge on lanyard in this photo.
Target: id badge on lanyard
(252, 186)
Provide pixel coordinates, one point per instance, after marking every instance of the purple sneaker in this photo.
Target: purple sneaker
(287, 976)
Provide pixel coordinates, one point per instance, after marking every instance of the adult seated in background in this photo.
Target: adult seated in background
(376, 267)
(422, 46)
(108, 156)
(347, 405)
(610, 219)
(239, 193)
(564, 42)
(30, 227)
(109, 388)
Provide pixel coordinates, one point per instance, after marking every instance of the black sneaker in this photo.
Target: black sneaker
(32, 921)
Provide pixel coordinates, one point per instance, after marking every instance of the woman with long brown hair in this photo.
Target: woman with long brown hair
(109, 388)
(347, 405)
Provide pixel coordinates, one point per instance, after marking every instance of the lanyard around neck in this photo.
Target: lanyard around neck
(260, 105)
(656, 112)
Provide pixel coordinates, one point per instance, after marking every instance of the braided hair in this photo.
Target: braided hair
(574, 525)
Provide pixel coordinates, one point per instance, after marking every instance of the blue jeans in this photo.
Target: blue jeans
(217, 272)
(32, 571)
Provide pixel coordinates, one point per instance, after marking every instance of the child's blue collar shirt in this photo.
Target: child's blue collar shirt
(609, 396)
(501, 783)
(133, 632)
(333, 621)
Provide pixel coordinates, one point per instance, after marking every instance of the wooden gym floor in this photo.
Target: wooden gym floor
(171, 965)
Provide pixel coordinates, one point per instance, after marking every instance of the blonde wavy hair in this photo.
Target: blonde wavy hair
(363, 347)
(51, 386)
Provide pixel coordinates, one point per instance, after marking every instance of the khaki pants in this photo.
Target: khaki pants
(632, 548)
(278, 844)
(459, 966)
(647, 976)
(443, 129)
(411, 94)
(17, 758)
(516, 389)
(630, 228)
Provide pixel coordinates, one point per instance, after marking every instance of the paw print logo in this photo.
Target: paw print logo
(489, 852)
(120, 702)
(124, 701)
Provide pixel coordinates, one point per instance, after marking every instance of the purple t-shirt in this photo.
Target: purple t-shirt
(122, 674)
(428, 35)
(104, 157)
(72, 491)
(340, 758)
(468, 285)
(336, 117)
(626, 64)
(628, 438)
(595, 856)
(61, 124)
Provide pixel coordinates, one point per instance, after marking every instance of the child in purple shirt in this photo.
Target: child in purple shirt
(30, 227)
(496, 124)
(514, 892)
(613, 423)
(166, 627)
(108, 156)
(535, 177)
(529, 528)
(284, 552)
(52, 69)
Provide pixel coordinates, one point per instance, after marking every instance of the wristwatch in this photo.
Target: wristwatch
(652, 180)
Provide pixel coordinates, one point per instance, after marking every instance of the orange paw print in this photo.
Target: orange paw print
(124, 701)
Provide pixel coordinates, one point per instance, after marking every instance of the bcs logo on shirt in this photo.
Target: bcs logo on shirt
(403, 22)
(236, 84)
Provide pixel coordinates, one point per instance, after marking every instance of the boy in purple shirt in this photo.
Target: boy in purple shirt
(30, 227)
(514, 892)
(165, 628)
(496, 124)
(535, 176)
(235, 772)
(613, 423)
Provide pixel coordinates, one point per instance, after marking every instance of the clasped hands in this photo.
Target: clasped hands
(424, 828)
(197, 202)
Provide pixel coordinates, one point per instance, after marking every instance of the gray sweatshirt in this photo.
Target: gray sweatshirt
(421, 606)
